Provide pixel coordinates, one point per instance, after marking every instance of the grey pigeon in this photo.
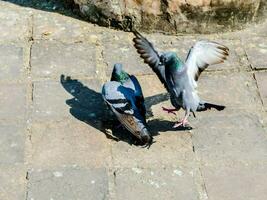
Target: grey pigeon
(180, 78)
(124, 96)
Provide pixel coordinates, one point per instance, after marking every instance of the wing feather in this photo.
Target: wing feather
(150, 56)
(203, 54)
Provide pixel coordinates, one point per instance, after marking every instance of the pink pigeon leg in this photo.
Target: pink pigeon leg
(182, 122)
(169, 110)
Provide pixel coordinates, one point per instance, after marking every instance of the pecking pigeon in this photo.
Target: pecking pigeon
(124, 96)
(180, 78)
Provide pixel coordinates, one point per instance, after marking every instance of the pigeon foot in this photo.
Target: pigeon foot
(183, 123)
(169, 110)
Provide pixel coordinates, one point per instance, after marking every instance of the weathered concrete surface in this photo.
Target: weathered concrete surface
(12, 143)
(155, 184)
(58, 139)
(53, 100)
(13, 182)
(14, 24)
(234, 90)
(53, 59)
(227, 183)
(62, 184)
(256, 51)
(174, 150)
(241, 139)
(13, 101)
(63, 144)
(261, 78)
(11, 62)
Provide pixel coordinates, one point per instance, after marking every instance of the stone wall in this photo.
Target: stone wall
(173, 16)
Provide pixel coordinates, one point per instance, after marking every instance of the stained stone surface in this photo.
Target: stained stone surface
(53, 26)
(240, 132)
(119, 49)
(59, 140)
(56, 100)
(236, 182)
(13, 101)
(234, 90)
(156, 183)
(256, 50)
(56, 58)
(14, 24)
(11, 62)
(51, 142)
(61, 183)
(12, 143)
(12, 181)
(261, 78)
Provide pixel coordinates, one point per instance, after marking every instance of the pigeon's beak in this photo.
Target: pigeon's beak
(146, 137)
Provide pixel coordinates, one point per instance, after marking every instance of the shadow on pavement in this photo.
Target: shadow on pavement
(88, 106)
(64, 7)
(164, 126)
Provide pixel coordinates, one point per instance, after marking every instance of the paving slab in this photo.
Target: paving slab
(67, 99)
(13, 101)
(14, 24)
(171, 148)
(51, 59)
(235, 182)
(13, 182)
(54, 26)
(156, 183)
(256, 49)
(151, 85)
(11, 62)
(256, 29)
(118, 48)
(234, 90)
(230, 138)
(68, 142)
(68, 184)
(12, 143)
(261, 78)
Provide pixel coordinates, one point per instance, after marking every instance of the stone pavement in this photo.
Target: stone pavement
(57, 139)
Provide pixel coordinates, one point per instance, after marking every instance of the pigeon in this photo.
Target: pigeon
(180, 77)
(124, 96)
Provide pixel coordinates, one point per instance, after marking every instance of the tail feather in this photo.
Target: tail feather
(206, 106)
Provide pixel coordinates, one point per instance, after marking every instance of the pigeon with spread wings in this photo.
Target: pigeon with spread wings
(180, 78)
(124, 96)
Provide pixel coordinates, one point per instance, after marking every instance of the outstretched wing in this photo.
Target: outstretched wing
(150, 56)
(203, 54)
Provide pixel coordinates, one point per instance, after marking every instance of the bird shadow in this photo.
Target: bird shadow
(161, 125)
(87, 105)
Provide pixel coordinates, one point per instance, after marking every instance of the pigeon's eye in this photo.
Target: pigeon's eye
(162, 59)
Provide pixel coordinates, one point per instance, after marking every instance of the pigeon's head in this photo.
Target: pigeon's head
(168, 57)
(117, 68)
(118, 74)
(146, 137)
